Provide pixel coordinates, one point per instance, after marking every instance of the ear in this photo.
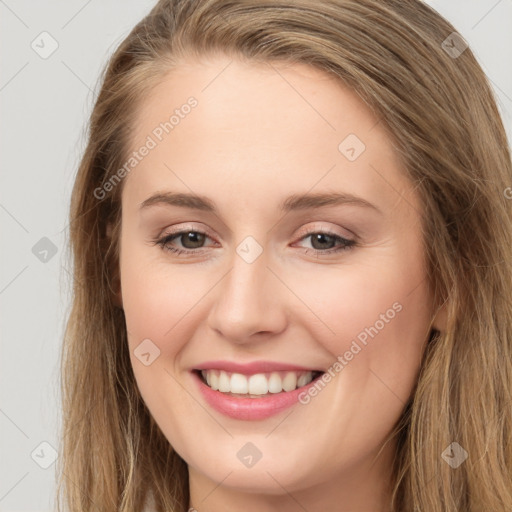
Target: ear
(116, 295)
(440, 321)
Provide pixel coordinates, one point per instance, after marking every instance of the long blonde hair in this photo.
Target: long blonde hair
(441, 115)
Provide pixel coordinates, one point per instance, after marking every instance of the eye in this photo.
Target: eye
(190, 240)
(324, 242)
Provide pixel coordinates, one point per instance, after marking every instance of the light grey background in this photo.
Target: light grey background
(44, 106)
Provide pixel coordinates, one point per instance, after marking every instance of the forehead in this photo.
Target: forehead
(257, 131)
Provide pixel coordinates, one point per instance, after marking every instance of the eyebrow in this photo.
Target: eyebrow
(292, 203)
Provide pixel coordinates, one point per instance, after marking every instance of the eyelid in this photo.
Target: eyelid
(186, 227)
(317, 227)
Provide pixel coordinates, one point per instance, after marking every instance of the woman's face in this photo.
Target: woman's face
(303, 254)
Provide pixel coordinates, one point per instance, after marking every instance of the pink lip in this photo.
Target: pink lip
(251, 368)
(250, 408)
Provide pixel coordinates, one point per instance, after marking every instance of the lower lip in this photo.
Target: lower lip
(246, 408)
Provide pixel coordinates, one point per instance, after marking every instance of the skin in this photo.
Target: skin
(259, 134)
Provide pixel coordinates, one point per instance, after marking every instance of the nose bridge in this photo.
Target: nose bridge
(247, 300)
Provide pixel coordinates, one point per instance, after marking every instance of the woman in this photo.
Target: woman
(218, 356)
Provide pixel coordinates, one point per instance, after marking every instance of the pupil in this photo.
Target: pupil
(322, 237)
(196, 239)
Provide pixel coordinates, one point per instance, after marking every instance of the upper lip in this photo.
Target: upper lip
(252, 368)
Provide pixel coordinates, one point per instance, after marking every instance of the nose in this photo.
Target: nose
(249, 301)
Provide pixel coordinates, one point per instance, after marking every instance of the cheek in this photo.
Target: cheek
(158, 304)
(374, 323)
(361, 303)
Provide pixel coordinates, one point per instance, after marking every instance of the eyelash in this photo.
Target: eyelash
(164, 241)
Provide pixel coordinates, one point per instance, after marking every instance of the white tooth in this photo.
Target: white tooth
(274, 383)
(224, 384)
(239, 383)
(214, 379)
(258, 384)
(305, 378)
(290, 381)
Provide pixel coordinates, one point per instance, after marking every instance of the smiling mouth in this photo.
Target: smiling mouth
(256, 385)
